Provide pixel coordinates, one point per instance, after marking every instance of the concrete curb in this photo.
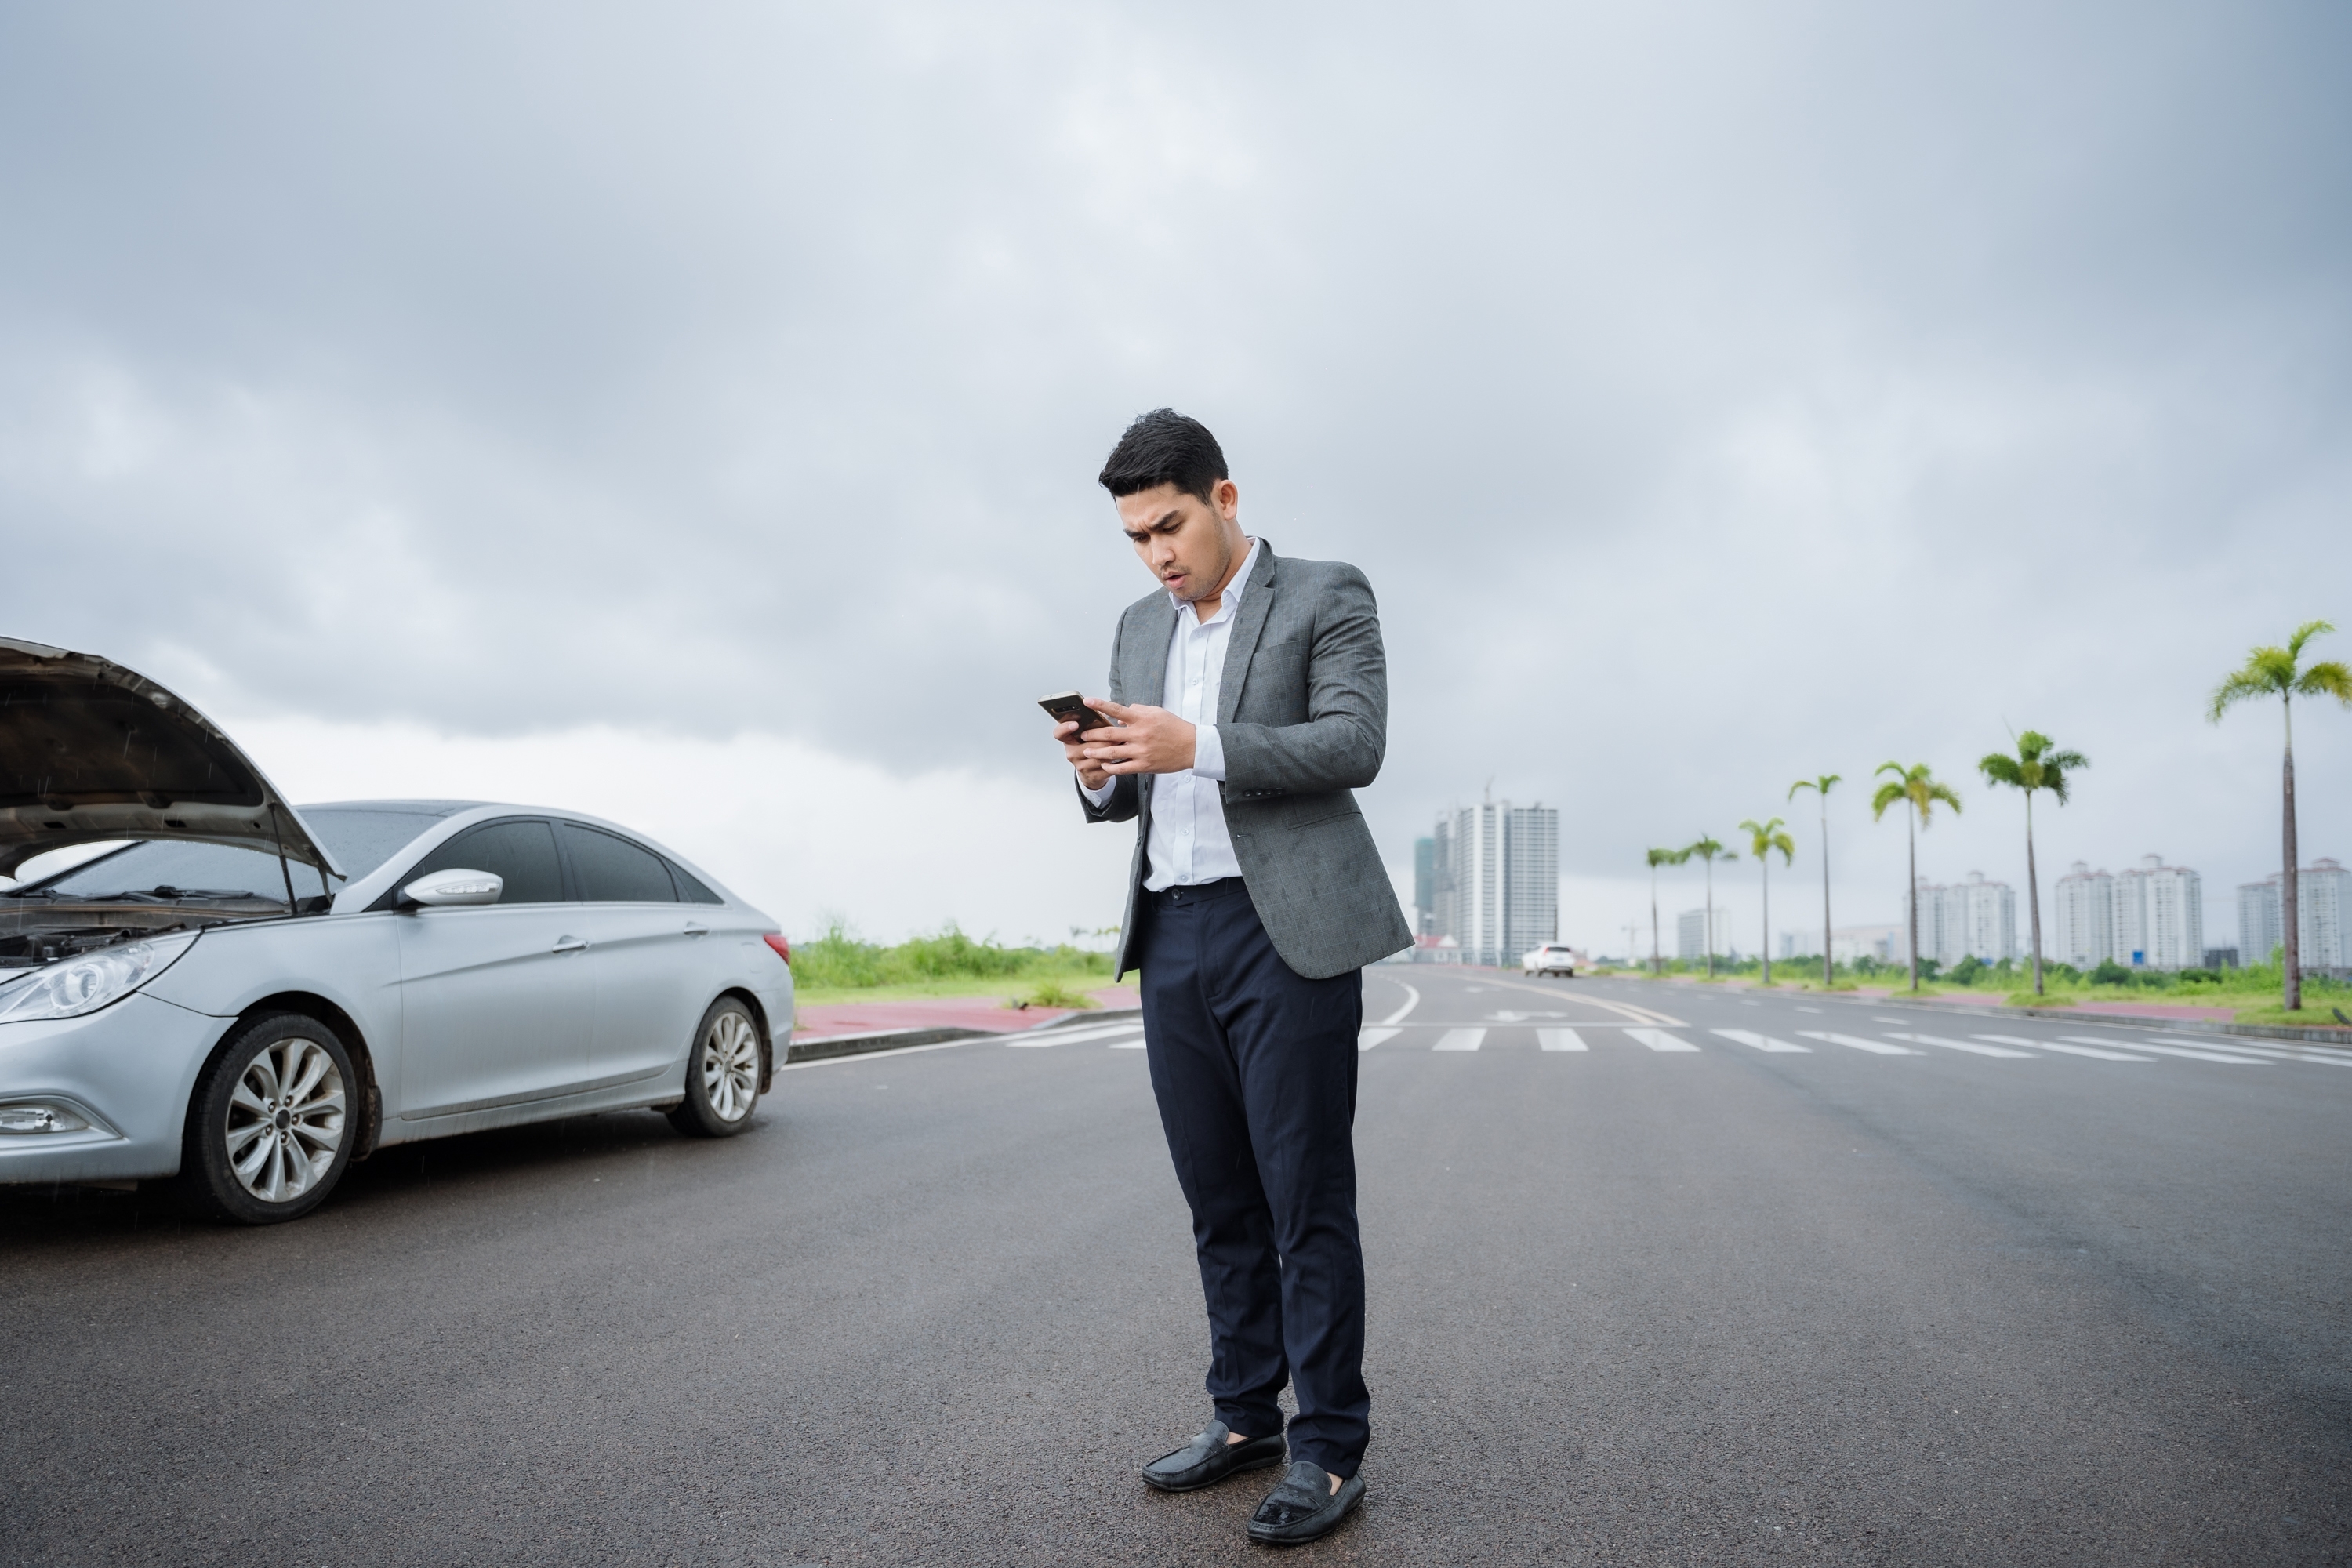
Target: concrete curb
(2104, 1020)
(825, 1047)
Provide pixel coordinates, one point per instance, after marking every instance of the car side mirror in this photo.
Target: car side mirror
(452, 889)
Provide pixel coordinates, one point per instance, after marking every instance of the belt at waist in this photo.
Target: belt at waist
(1200, 893)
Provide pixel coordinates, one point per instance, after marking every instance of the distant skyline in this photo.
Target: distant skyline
(691, 415)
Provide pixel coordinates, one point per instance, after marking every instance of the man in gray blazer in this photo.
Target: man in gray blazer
(1249, 696)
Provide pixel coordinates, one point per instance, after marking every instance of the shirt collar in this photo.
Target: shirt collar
(1230, 601)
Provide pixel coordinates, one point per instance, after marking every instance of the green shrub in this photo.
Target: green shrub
(1051, 994)
(838, 961)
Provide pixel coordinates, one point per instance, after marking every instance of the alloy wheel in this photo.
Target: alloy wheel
(285, 1120)
(731, 1066)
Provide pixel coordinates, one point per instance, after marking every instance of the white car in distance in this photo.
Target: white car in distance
(1551, 958)
(247, 998)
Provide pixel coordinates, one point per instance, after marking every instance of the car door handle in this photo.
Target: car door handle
(568, 944)
(693, 930)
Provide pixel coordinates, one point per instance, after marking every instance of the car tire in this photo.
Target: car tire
(272, 1124)
(722, 1073)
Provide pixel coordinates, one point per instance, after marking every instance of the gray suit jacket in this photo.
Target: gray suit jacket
(1303, 712)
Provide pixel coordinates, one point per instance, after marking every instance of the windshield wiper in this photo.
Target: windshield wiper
(29, 893)
(213, 895)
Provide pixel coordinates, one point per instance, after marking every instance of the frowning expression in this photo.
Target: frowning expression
(1190, 546)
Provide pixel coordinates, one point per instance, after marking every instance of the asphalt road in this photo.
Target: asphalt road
(1716, 1304)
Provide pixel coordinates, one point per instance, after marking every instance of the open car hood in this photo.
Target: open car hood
(91, 751)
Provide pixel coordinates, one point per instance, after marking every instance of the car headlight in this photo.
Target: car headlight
(88, 982)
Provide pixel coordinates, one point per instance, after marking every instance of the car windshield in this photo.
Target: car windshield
(360, 840)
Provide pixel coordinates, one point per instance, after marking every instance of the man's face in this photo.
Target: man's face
(1188, 544)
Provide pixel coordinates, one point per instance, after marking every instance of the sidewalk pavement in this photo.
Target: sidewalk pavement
(989, 1013)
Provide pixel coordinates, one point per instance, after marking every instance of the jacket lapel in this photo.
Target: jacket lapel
(1143, 672)
(1257, 599)
(1143, 677)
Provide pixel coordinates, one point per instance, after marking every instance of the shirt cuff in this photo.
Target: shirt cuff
(1208, 753)
(1098, 796)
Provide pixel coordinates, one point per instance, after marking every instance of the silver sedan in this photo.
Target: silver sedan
(249, 997)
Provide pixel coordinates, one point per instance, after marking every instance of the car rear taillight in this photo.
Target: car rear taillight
(775, 939)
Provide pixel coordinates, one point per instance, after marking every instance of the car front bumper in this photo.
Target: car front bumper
(127, 1069)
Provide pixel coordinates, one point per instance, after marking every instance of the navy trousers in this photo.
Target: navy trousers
(1254, 1070)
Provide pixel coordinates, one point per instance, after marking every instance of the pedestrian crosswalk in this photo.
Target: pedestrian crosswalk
(1762, 1042)
(1973, 1047)
(1613, 1037)
(1876, 1047)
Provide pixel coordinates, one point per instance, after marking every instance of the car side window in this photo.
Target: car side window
(520, 850)
(690, 890)
(611, 870)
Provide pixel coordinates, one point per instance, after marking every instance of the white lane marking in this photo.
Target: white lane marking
(1412, 1000)
(1879, 1047)
(1071, 1036)
(2104, 1055)
(2285, 1053)
(1127, 1043)
(1962, 1045)
(2181, 1051)
(1762, 1042)
(1459, 1040)
(1623, 1009)
(1559, 1040)
(1659, 1040)
(872, 1055)
(1368, 1038)
(1809, 1009)
(1076, 1031)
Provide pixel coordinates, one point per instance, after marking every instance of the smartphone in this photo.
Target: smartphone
(1067, 706)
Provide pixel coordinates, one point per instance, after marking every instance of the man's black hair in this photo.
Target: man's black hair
(1165, 448)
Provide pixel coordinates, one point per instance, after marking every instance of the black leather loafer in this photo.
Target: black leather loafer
(1210, 1459)
(1304, 1506)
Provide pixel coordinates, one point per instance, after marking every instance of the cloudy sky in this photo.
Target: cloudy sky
(689, 413)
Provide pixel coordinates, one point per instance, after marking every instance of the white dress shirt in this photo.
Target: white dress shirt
(1189, 844)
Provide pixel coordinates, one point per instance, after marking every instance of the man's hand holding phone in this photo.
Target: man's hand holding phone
(1090, 773)
(1144, 740)
(1140, 739)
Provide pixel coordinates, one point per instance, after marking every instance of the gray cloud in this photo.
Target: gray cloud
(1800, 387)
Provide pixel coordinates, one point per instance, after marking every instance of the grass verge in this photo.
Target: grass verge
(837, 967)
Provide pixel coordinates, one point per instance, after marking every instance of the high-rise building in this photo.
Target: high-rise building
(1424, 886)
(2323, 903)
(2262, 930)
(2082, 927)
(1974, 918)
(1979, 921)
(2322, 900)
(1690, 935)
(2151, 915)
(1851, 944)
(2171, 909)
(1495, 875)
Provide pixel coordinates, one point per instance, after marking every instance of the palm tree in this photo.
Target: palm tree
(2037, 765)
(1763, 838)
(1708, 849)
(1822, 785)
(1919, 787)
(2272, 672)
(1660, 858)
